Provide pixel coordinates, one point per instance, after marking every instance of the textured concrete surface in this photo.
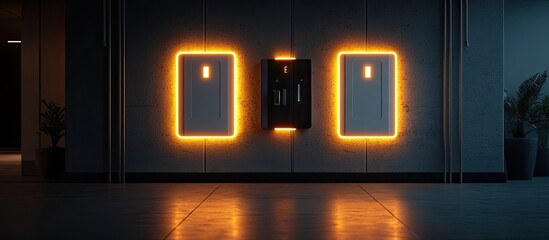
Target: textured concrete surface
(86, 86)
(515, 210)
(414, 31)
(483, 68)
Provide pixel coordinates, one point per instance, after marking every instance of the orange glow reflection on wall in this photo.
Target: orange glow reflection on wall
(236, 95)
(338, 95)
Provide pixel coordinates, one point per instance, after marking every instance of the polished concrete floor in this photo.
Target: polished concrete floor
(37, 210)
(10, 167)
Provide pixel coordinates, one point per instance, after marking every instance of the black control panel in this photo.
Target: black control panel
(285, 93)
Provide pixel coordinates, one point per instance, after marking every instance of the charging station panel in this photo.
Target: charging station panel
(285, 93)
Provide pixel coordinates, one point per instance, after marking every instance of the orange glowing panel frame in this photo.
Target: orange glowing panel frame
(206, 73)
(340, 101)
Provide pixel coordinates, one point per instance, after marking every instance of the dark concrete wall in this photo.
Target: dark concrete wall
(526, 42)
(483, 69)
(87, 93)
(526, 38)
(255, 30)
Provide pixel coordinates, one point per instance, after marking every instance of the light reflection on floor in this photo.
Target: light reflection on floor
(515, 210)
(10, 167)
(10, 157)
(291, 211)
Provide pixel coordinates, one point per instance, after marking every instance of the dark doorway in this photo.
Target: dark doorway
(10, 76)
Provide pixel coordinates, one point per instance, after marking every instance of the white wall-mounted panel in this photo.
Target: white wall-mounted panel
(206, 94)
(367, 88)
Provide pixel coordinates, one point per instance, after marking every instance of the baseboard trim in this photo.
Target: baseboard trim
(289, 177)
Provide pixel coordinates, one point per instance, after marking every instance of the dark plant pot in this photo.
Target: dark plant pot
(51, 162)
(520, 157)
(542, 162)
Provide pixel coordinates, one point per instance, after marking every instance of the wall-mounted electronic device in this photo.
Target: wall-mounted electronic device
(285, 93)
(206, 94)
(367, 94)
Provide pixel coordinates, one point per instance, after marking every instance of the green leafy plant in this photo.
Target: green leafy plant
(518, 109)
(540, 120)
(52, 121)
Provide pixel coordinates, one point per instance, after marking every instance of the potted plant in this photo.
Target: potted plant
(520, 151)
(540, 119)
(51, 161)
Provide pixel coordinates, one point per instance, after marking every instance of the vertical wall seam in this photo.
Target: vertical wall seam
(119, 21)
(365, 154)
(104, 23)
(365, 49)
(365, 25)
(121, 86)
(204, 155)
(460, 93)
(467, 23)
(204, 25)
(39, 71)
(109, 73)
(450, 147)
(123, 73)
(292, 53)
(502, 140)
(444, 90)
(204, 48)
(292, 151)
